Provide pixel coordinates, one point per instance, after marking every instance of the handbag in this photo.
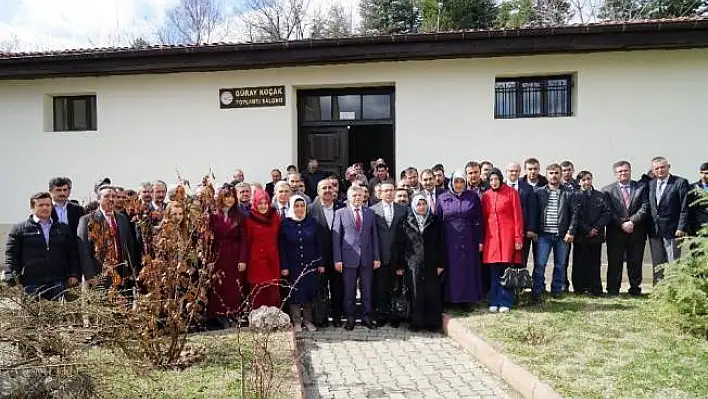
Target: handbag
(516, 278)
(400, 301)
(321, 303)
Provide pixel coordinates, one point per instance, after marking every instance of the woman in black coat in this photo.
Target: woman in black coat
(421, 249)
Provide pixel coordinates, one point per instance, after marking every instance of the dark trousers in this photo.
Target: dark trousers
(364, 275)
(485, 275)
(53, 290)
(663, 250)
(383, 289)
(336, 292)
(586, 267)
(619, 246)
(529, 247)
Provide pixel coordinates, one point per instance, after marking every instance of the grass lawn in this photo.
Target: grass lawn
(599, 348)
(218, 375)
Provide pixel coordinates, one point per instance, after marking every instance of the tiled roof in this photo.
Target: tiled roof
(596, 27)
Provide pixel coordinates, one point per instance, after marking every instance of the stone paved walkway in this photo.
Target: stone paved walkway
(392, 363)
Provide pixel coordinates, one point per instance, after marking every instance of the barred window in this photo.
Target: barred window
(532, 97)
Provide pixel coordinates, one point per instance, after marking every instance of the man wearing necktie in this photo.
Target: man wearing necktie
(355, 250)
(389, 216)
(668, 204)
(626, 233)
(121, 240)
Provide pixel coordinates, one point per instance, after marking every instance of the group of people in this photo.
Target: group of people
(448, 238)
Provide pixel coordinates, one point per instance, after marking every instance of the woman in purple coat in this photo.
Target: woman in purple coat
(461, 213)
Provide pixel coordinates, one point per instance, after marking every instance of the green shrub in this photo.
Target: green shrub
(682, 296)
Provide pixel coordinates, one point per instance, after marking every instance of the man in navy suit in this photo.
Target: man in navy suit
(668, 207)
(529, 208)
(64, 211)
(355, 251)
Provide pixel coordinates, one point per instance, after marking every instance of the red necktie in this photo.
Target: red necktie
(625, 196)
(116, 238)
(357, 219)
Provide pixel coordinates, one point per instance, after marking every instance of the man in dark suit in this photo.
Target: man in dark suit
(64, 211)
(388, 219)
(668, 205)
(529, 207)
(626, 234)
(355, 247)
(275, 176)
(698, 206)
(533, 174)
(118, 229)
(322, 211)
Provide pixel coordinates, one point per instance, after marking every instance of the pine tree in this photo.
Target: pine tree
(385, 17)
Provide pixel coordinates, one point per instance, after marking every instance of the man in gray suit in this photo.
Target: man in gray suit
(388, 219)
(123, 244)
(355, 251)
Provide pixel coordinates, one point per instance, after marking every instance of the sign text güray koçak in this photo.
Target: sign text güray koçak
(250, 97)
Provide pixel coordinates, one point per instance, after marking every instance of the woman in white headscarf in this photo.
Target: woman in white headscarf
(461, 213)
(300, 261)
(420, 247)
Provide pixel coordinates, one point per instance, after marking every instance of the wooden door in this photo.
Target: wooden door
(328, 145)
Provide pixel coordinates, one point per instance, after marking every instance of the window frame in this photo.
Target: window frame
(519, 95)
(91, 113)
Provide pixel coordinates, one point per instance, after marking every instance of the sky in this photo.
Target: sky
(30, 25)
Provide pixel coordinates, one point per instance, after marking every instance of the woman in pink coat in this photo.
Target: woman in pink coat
(503, 238)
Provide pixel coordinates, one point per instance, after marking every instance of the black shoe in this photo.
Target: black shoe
(535, 300)
(369, 324)
(337, 322)
(414, 329)
(349, 325)
(381, 322)
(556, 295)
(613, 293)
(395, 324)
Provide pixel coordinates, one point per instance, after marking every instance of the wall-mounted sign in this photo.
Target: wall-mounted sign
(250, 97)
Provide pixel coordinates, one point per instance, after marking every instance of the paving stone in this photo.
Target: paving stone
(391, 363)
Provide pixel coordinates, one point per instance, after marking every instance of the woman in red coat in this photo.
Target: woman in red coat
(503, 237)
(263, 271)
(231, 247)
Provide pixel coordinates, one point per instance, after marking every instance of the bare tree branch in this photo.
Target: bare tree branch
(276, 20)
(195, 22)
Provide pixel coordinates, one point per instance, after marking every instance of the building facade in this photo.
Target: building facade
(592, 107)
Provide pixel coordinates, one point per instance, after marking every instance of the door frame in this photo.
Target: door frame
(306, 127)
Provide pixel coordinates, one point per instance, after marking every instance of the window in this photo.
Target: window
(318, 108)
(376, 106)
(532, 97)
(75, 113)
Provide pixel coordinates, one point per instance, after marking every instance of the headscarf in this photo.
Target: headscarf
(266, 218)
(499, 174)
(421, 219)
(291, 207)
(458, 174)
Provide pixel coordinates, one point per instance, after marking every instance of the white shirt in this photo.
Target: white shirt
(388, 212)
(329, 214)
(660, 187)
(62, 213)
(513, 184)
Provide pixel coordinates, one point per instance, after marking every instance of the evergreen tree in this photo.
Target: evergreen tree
(458, 14)
(551, 13)
(515, 14)
(384, 17)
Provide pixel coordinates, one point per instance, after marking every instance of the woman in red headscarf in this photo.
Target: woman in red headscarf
(263, 270)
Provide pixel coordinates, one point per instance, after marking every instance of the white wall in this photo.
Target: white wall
(627, 105)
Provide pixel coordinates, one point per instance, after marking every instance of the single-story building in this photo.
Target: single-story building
(589, 93)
